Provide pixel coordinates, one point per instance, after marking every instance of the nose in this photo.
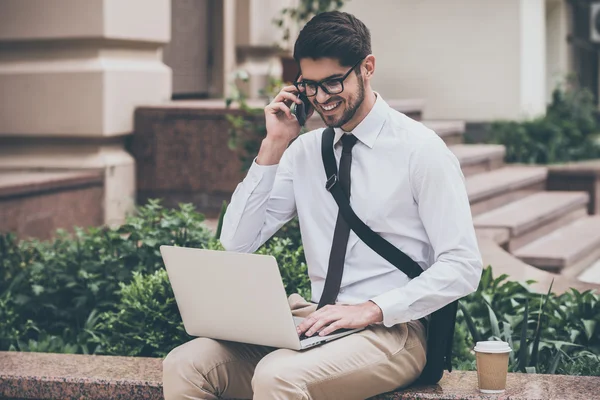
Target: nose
(321, 96)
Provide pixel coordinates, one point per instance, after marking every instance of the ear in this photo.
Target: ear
(369, 66)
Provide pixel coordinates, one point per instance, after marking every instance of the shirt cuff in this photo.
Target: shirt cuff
(261, 178)
(393, 311)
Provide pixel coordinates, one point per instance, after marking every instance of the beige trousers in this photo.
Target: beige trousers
(357, 366)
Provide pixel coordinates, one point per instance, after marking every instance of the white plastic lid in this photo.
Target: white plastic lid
(494, 346)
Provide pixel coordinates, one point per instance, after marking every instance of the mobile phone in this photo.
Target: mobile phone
(302, 110)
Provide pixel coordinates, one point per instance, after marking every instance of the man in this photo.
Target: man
(405, 185)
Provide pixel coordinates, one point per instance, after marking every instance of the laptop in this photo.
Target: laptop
(235, 296)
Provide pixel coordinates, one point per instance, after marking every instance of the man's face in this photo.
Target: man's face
(336, 110)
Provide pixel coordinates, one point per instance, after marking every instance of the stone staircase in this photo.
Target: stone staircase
(550, 230)
(495, 188)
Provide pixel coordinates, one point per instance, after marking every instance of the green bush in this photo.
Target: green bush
(548, 333)
(146, 321)
(57, 289)
(568, 131)
(87, 293)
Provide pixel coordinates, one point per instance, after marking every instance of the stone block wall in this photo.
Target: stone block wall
(35, 204)
(182, 154)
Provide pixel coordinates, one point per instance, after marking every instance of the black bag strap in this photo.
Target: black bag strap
(446, 315)
(381, 246)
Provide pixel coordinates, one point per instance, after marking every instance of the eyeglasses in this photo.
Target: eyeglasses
(329, 85)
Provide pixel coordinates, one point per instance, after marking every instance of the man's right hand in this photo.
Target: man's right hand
(282, 126)
(281, 123)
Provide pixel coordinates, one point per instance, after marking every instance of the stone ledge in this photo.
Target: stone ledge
(581, 168)
(405, 106)
(71, 376)
(67, 376)
(35, 204)
(463, 385)
(20, 183)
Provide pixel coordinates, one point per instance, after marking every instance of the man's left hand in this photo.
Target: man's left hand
(333, 317)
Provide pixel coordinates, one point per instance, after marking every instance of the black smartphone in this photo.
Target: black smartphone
(301, 110)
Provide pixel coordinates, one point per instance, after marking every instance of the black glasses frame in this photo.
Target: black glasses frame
(319, 84)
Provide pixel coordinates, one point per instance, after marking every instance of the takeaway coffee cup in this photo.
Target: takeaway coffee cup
(492, 365)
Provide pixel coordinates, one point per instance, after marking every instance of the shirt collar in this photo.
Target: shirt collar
(369, 128)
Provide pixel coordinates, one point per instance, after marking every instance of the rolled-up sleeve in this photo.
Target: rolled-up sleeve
(438, 187)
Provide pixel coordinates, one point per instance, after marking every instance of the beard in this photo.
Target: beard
(354, 104)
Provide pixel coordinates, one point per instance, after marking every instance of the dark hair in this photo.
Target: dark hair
(334, 34)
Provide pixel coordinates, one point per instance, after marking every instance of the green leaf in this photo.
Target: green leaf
(554, 362)
(559, 344)
(538, 330)
(232, 144)
(486, 277)
(590, 327)
(470, 324)
(37, 289)
(494, 322)
(523, 352)
(507, 331)
(221, 217)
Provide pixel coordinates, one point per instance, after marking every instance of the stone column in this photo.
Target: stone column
(71, 74)
(257, 41)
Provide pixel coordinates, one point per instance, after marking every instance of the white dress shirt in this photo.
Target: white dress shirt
(406, 185)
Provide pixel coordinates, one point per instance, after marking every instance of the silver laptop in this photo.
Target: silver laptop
(234, 296)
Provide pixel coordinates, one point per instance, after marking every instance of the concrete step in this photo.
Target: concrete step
(478, 158)
(534, 216)
(574, 247)
(493, 189)
(503, 262)
(450, 131)
(591, 274)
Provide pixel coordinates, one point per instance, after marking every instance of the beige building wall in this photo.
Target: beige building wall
(532, 58)
(559, 55)
(469, 59)
(71, 74)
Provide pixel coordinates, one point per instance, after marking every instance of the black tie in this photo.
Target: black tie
(342, 230)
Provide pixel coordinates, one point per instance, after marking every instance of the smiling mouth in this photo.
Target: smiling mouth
(331, 107)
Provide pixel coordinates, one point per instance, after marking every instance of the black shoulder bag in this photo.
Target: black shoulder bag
(440, 328)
